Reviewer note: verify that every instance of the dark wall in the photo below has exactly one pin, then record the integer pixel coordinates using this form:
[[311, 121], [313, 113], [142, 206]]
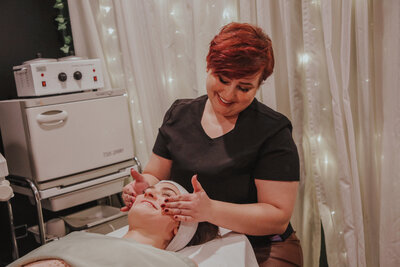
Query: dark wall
[[27, 27]]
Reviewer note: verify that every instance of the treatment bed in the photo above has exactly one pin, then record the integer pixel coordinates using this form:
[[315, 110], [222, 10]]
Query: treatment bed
[[85, 249], [231, 249]]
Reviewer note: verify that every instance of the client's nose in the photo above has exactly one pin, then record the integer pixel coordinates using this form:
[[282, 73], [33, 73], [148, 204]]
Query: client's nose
[[150, 194]]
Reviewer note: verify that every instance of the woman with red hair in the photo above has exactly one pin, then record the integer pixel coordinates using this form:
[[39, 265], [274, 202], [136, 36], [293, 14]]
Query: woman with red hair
[[236, 153]]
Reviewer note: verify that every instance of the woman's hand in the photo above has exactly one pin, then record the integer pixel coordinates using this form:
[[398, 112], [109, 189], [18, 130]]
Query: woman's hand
[[131, 190], [189, 207]]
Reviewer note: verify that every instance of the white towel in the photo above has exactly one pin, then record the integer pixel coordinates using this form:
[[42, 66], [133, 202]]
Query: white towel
[[186, 230]]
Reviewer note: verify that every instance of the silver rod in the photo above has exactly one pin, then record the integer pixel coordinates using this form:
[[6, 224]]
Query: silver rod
[[138, 164], [35, 191], [15, 253]]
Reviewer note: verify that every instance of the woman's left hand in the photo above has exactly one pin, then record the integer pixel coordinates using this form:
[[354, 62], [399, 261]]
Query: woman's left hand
[[193, 207]]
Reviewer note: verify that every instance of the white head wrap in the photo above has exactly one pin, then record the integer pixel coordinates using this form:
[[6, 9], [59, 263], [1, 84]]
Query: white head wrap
[[186, 230]]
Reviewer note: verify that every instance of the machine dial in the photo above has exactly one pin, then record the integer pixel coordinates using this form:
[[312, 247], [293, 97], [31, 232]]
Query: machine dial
[[77, 75], [62, 76]]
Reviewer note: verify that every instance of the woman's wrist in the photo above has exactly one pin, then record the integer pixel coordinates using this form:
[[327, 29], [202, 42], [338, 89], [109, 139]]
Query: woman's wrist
[[213, 212]]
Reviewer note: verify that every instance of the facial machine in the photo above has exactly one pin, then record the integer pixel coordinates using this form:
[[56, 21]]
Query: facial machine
[[67, 140]]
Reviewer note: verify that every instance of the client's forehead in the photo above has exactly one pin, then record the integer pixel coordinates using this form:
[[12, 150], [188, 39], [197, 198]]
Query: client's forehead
[[165, 186]]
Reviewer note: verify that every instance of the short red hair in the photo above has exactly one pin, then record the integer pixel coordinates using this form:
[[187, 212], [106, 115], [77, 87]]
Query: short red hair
[[241, 50]]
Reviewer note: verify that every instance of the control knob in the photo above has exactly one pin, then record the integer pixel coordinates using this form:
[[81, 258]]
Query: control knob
[[62, 76], [77, 75]]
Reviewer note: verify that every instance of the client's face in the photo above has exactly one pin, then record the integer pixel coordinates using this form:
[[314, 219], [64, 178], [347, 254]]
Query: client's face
[[146, 211]]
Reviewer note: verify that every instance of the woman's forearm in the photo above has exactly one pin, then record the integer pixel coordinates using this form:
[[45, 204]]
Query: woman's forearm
[[251, 219], [157, 169], [270, 215]]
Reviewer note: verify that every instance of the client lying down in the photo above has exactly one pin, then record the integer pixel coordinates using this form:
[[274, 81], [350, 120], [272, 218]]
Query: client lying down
[[151, 238]]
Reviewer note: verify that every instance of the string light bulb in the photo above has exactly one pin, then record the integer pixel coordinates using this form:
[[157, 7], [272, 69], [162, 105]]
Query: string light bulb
[[304, 58], [226, 14], [105, 8], [326, 161]]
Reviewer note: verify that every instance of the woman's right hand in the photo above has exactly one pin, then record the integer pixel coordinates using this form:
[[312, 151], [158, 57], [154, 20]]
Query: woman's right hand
[[131, 190]]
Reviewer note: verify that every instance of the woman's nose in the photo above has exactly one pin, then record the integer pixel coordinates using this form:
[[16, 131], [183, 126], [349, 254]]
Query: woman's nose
[[229, 92]]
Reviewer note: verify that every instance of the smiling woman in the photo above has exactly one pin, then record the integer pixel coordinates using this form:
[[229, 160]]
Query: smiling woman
[[237, 154]]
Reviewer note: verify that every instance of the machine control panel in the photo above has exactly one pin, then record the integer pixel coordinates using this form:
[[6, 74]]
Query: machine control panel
[[51, 76]]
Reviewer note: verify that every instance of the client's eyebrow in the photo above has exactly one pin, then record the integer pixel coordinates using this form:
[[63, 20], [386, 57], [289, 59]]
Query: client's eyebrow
[[169, 189], [164, 188]]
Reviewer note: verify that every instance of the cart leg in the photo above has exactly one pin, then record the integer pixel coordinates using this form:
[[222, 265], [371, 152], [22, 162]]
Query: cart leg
[[15, 253], [36, 195]]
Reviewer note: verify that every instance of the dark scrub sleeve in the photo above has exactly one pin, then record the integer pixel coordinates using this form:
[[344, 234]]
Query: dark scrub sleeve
[[160, 146], [278, 158]]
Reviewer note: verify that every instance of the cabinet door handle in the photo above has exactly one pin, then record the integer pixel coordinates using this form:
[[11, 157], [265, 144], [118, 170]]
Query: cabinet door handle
[[52, 117]]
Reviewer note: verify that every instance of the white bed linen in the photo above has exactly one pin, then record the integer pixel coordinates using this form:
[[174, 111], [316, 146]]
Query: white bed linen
[[232, 249]]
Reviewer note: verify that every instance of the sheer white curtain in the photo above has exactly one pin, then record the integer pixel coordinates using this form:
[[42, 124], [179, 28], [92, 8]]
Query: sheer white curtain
[[384, 204], [336, 78], [154, 49]]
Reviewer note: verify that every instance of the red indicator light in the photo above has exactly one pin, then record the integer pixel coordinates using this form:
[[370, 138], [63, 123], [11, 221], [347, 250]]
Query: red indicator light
[[95, 78], [43, 83], [94, 70], [42, 74]]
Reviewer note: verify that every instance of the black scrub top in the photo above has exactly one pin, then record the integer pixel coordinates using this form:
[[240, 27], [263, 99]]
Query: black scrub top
[[260, 146]]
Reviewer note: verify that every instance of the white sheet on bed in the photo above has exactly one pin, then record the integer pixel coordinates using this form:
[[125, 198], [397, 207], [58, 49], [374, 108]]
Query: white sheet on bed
[[232, 249]]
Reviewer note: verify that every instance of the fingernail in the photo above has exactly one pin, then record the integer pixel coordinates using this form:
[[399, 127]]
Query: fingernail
[[166, 210], [163, 205], [175, 217], [166, 200]]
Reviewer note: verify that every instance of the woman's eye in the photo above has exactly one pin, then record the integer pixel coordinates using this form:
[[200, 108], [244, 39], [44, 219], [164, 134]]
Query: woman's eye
[[166, 195], [245, 90], [222, 80]]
